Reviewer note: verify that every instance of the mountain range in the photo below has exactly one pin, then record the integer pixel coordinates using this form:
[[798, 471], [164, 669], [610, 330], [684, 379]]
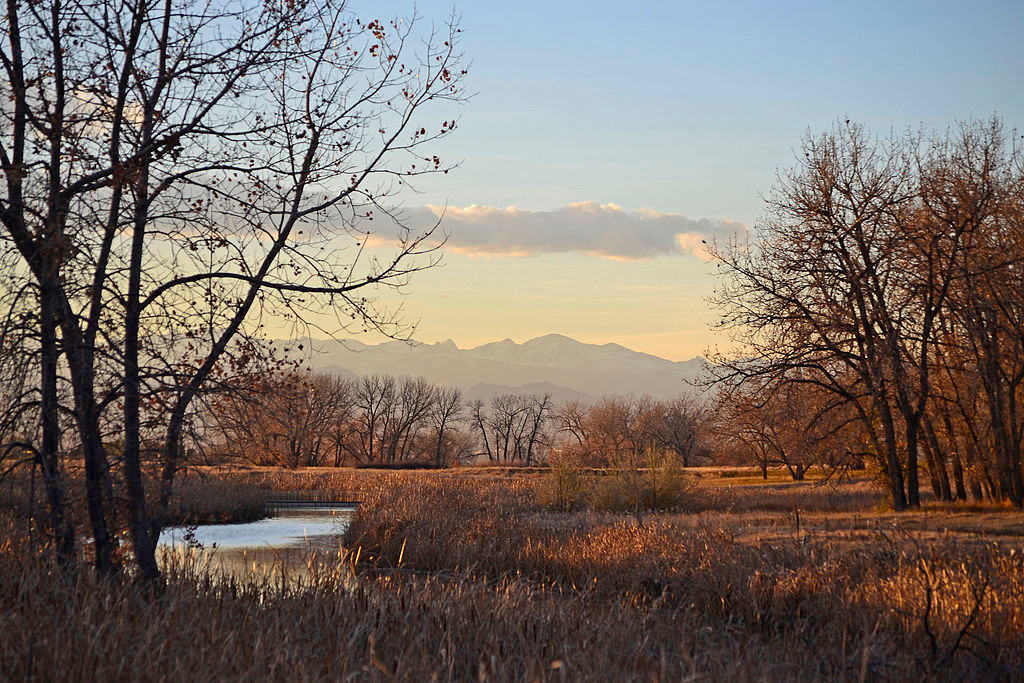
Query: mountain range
[[555, 364]]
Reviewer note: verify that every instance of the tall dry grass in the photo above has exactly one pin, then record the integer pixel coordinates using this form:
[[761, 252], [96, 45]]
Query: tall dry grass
[[840, 497], [399, 627], [461, 578], [944, 608]]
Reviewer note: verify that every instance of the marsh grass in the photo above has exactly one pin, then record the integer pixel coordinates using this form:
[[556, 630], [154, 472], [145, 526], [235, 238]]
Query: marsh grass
[[470, 578], [944, 606], [212, 500]]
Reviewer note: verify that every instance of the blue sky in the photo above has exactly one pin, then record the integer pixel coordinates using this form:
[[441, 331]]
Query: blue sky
[[675, 108]]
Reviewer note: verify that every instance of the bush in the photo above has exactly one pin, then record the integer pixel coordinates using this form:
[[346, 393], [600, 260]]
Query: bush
[[563, 488], [635, 483], [639, 483]]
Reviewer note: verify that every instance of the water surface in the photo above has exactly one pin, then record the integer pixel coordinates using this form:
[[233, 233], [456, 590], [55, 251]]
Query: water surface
[[281, 543]]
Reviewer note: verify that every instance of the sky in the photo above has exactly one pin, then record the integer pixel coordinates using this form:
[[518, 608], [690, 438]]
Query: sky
[[605, 140]]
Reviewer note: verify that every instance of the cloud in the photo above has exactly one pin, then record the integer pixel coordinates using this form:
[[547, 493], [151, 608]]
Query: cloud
[[603, 230]]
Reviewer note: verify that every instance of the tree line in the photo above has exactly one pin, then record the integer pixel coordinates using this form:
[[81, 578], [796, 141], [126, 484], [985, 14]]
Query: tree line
[[880, 302], [313, 420], [295, 419]]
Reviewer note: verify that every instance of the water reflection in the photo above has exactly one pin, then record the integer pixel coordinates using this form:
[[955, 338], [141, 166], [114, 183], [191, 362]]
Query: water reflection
[[280, 544]]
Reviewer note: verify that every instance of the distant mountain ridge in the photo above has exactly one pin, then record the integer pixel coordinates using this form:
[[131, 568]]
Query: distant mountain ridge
[[566, 368]]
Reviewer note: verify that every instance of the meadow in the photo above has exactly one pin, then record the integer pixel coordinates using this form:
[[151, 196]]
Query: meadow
[[485, 574]]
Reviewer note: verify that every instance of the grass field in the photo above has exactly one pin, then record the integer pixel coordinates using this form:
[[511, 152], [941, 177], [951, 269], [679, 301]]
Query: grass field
[[468, 574]]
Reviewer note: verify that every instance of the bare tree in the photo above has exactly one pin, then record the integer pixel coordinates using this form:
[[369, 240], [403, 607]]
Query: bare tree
[[677, 426], [407, 414], [338, 396], [514, 427], [478, 419], [291, 419], [614, 427], [785, 423], [539, 413], [444, 415], [173, 172], [847, 282], [505, 424], [374, 396], [572, 420], [977, 181]]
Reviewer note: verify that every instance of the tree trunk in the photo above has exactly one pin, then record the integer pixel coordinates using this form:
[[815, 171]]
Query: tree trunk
[[937, 473], [61, 528], [913, 486], [899, 496]]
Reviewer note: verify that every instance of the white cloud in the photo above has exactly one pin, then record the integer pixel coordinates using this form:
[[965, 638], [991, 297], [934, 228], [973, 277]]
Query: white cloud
[[603, 230]]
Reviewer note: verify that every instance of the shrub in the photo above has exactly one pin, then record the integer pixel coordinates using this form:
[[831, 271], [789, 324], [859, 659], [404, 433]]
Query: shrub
[[635, 483], [652, 480], [563, 488]]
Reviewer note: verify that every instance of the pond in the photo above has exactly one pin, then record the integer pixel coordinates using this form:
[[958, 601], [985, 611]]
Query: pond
[[284, 542]]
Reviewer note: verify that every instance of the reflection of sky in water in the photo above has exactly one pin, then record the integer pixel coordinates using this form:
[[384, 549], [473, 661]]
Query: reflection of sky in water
[[283, 543], [289, 528]]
